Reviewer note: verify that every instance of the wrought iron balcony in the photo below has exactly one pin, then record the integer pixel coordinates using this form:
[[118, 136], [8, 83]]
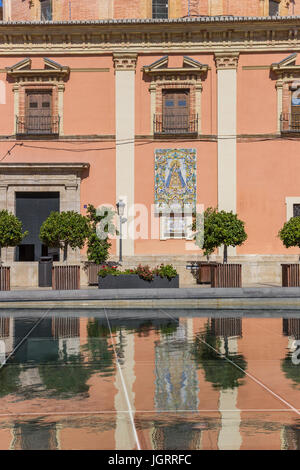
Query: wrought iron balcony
[[290, 122], [37, 125], [175, 125]]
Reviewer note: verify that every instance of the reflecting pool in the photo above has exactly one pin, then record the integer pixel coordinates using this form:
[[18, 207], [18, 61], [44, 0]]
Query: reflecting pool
[[141, 379]]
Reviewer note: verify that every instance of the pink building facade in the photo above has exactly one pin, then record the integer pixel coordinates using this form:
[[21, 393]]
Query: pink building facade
[[196, 110]]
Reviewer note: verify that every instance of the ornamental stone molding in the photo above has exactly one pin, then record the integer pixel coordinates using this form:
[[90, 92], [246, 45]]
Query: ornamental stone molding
[[226, 60], [207, 34], [123, 61]]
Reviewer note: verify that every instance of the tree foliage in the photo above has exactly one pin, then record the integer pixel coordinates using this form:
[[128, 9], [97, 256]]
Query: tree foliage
[[221, 228], [10, 229], [290, 233], [65, 229], [101, 226]]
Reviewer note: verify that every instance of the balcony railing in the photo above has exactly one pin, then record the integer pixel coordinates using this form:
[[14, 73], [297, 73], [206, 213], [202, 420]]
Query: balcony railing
[[290, 122], [173, 125], [37, 125]]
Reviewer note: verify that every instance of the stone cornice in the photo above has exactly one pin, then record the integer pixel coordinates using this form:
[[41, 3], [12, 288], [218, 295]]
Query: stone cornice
[[31, 167], [257, 34]]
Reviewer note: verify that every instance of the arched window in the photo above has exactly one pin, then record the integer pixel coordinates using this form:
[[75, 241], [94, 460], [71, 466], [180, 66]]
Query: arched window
[[159, 8]]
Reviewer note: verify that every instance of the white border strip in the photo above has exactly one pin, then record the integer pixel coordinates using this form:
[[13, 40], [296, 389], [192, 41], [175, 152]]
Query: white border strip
[[124, 387]]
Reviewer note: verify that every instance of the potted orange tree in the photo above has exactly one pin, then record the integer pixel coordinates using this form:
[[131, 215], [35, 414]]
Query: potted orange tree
[[289, 234], [223, 228], [65, 230], [11, 234]]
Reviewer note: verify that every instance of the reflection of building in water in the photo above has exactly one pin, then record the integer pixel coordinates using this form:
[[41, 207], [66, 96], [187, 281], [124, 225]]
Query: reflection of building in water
[[67, 331], [228, 330], [34, 435], [290, 438], [6, 337], [291, 328], [175, 371], [226, 326], [176, 388], [177, 436]]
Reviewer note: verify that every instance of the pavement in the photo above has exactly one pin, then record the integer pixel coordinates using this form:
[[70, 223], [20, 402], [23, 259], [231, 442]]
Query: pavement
[[259, 298]]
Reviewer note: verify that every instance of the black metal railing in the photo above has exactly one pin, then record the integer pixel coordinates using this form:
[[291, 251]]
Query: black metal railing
[[37, 125], [180, 124], [290, 122]]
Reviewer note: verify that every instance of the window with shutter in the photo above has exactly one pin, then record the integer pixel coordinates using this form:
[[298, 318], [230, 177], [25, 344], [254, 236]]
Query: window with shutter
[[38, 116], [46, 10], [175, 111], [159, 8], [296, 210], [176, 226]]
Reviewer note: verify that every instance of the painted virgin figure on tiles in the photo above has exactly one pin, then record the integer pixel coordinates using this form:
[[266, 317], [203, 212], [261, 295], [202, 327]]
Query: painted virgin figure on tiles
[[175, 178]]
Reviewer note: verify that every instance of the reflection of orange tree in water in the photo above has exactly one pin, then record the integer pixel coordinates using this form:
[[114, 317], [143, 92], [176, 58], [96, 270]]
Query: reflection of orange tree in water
[[291, 328], [218, 370], [64, 375], [9, 379]]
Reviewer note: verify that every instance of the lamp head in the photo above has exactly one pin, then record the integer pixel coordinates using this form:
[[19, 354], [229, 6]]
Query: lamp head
[[120, 207]]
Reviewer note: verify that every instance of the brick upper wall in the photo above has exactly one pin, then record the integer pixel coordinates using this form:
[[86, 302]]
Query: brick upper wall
[[118, 9]]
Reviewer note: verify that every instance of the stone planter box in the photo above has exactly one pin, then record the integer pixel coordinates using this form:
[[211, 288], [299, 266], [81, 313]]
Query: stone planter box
[[133, 281], [226, 275], [66, 277], [290, 275]]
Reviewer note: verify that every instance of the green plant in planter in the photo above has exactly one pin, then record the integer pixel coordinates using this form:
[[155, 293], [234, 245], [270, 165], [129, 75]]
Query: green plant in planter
[[222, 228], [10, 229], [144, 272], [166, 271], [290, 233], [65, 229], [101, 226]]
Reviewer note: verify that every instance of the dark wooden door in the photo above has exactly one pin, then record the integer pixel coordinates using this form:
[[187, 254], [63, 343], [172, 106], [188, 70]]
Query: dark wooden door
[[176, 111], [38, 112]]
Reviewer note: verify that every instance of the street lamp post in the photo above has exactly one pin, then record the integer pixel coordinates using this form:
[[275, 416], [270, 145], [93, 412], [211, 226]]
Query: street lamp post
[[120, 209]]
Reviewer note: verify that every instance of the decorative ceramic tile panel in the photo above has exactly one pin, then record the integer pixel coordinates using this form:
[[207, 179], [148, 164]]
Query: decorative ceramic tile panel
[[175, 179]]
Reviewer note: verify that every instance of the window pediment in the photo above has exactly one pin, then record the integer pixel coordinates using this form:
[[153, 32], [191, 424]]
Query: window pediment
[[22, 70], [161, 67]]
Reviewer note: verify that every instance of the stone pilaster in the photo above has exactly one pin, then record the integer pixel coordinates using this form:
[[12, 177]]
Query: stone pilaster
[[226, 65], [279, 88], [125, 65]]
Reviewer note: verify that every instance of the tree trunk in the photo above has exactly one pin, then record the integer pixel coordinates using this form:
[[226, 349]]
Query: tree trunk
[[225, 254], [65, 253]]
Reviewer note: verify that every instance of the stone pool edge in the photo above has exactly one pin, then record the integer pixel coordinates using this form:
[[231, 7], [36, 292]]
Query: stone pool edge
[[215, 298]]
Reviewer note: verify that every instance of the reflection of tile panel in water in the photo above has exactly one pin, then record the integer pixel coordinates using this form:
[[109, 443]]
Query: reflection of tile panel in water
[[65, 327], [4, 327], [291, 327], [176, 386], [35, 436], [180, 436], [226, 326]]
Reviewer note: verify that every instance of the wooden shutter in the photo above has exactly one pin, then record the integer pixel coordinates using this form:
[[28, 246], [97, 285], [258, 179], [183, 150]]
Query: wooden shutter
[[39, 112], [176, 111]]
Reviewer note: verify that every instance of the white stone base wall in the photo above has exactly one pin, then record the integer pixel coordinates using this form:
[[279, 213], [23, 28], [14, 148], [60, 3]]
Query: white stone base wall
[[256, 269]]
